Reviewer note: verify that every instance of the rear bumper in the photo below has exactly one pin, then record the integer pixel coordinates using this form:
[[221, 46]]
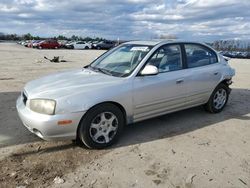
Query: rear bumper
[[46, 126]]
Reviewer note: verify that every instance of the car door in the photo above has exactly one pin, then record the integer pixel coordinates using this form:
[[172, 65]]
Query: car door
[[46, 44], [50, 44], [53, 44], [204, 74], [84, 44], [104, 45], [108, 45], [165, 92], [78, 45]]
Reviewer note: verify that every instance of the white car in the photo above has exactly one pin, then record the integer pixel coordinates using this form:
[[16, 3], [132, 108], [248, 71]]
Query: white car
[[80, 45], [130, 83]]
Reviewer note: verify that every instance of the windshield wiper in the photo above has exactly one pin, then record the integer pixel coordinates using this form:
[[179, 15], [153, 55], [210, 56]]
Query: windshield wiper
[[101, 70], [105, 71]]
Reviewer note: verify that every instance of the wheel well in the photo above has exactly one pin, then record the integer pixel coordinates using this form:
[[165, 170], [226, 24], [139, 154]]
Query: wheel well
[[107, 102], [225, 82], [119, 106]]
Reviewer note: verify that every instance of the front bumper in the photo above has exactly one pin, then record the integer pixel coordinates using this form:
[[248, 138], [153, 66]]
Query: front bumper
[[46, 126]]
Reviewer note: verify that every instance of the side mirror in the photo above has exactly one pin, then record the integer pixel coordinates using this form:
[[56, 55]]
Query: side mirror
[[149, 70]]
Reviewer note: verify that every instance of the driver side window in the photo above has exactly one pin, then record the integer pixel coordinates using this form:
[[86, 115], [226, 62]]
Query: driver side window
[[167, 58]]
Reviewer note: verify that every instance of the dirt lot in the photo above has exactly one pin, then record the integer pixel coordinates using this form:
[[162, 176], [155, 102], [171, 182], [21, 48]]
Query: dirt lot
[[190, 148]]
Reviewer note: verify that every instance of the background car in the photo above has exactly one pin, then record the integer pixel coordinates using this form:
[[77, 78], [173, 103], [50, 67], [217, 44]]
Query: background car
[[69, 45], [48, 44], [94, 43], [62, 43], [22, 43], [78, 45], [105, 45], [28, 44], [35, 43]]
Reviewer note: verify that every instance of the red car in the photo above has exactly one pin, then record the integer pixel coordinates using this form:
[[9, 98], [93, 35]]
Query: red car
[[48, 44]]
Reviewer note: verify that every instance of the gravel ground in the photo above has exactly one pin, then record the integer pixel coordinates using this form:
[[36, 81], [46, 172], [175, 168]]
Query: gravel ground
[[190, 148]]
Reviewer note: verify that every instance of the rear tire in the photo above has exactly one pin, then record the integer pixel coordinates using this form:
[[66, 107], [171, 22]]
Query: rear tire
[[218, 99], [101, 126]]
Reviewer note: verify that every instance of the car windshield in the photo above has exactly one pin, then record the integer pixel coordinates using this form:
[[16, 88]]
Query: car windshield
[[122, 61]]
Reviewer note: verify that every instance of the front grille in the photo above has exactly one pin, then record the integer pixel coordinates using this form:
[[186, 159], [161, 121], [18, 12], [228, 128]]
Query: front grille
[[24, 98]]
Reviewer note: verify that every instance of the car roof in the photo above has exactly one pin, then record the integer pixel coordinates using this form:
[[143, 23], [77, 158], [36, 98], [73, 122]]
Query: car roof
[[155, 42]]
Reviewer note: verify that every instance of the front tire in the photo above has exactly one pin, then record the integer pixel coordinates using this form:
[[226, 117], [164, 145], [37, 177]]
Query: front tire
[[101, 126], [218, 99]]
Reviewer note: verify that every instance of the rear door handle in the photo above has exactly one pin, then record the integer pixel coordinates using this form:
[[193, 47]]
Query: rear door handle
[[179, 81], [216, 73]]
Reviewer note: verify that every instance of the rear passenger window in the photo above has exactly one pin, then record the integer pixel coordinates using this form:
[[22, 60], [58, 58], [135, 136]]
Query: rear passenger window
[[199, 56]]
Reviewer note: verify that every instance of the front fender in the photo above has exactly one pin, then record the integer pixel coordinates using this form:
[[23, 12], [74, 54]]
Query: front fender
[[82, 102]]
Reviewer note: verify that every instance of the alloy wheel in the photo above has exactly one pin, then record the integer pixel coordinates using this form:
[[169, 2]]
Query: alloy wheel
[[220, 98], [103, 127]]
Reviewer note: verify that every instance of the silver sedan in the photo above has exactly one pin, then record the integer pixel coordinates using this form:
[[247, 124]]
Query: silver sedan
[[130, 83]]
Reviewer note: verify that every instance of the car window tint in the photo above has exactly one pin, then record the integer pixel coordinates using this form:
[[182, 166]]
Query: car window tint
[[199, 56], [167, 58]]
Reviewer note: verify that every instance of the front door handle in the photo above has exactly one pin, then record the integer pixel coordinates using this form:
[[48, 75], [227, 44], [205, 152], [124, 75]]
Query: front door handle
[[216, 73], [179, 81]]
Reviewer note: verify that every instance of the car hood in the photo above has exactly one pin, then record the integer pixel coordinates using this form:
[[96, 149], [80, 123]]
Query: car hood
[[67, 83]]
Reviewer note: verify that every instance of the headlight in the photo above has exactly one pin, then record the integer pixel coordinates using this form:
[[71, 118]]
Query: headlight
[[43, 106]]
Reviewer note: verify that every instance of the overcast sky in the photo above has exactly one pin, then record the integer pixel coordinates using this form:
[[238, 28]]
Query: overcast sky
[[204, 20]]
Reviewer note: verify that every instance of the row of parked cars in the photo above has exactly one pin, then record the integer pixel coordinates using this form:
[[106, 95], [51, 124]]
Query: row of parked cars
[[235, 54], [54, 44]]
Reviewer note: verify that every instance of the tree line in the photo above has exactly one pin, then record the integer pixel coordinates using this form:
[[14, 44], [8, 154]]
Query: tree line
[[232, 45], [28, 36]]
